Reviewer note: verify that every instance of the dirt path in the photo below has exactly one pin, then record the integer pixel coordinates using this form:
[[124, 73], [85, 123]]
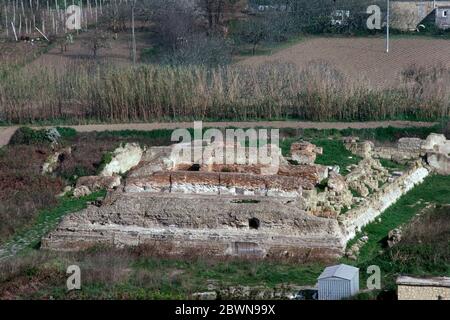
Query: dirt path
[[7, 132]]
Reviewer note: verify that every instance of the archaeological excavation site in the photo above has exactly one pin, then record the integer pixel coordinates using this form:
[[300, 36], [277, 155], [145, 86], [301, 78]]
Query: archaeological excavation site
[[302, 209]]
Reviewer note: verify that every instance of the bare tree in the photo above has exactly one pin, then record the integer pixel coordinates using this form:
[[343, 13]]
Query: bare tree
[[133, 35], [253, 32], [217, 12], [174, 21], [96, 41]]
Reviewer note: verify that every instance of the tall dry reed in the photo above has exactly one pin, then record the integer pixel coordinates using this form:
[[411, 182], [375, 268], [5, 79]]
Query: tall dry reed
[[91, 91]]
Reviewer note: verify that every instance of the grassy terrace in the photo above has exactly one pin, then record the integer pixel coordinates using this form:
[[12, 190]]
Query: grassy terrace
[[435, 189], [29, 237]]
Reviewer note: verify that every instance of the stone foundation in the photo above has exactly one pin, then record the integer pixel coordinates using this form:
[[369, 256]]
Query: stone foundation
[[257, 226], [423, 288], [354, 220], [236, 209]]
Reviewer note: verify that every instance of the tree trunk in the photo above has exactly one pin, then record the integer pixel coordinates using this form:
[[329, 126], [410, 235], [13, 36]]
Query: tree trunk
[[133, 31]]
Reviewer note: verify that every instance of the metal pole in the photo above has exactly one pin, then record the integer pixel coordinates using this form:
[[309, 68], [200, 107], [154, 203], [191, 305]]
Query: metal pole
[[387, 26]]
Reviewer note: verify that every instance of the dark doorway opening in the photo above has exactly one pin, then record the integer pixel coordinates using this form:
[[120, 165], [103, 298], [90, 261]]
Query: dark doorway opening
[[253, 223], [194, 167]]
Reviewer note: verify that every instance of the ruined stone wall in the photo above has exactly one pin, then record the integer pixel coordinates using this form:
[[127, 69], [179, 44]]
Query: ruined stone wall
[[354, 220], [237, 210], [439, 162], [406, 15], [219, 225], [408, 292], [220, 184]]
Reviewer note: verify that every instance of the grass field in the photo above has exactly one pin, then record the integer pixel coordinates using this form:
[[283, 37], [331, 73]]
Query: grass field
[[435, 190]]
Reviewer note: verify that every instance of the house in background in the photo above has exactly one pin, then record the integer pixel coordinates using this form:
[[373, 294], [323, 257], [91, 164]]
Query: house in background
[[407, 14], [338, 282], [443, 17], [340, 17]]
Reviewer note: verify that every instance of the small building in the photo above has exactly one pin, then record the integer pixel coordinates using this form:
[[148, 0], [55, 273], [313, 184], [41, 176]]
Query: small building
[[443, 17], [410, 288], [407, 15], [340, 17], [338, 282]]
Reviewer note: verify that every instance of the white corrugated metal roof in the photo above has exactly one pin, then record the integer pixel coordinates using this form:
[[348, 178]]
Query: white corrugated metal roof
[[342, 271]]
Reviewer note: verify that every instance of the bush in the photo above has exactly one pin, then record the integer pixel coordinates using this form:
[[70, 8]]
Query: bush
[[252, 32], [425, 245], [66, 132], [29, 136], [200, 50], [23, 189]]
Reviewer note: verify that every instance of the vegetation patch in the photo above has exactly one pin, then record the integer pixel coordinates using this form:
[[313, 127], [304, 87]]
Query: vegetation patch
[[30, 237], [23, 189], [435, 189]]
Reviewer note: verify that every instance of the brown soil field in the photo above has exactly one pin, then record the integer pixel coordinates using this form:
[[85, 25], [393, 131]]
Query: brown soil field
[[118, 52], [20, 52], [363, 59]]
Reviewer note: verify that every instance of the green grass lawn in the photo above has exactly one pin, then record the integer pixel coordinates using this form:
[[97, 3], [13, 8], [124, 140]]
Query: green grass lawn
[[30, 237], [163, 278], [435, 189], [334, 152]]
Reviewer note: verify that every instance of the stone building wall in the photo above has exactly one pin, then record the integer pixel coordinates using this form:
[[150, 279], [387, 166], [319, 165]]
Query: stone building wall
[[406, 292], [406, 15], [410, 288], [443, 17]]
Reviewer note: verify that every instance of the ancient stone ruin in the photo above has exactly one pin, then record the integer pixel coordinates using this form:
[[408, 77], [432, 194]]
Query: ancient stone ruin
[[300, 209]]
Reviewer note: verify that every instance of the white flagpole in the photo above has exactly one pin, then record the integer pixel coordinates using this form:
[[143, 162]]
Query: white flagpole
[[387, 26]]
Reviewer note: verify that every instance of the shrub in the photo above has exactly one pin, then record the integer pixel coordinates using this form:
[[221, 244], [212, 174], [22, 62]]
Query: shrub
[[23, 189], [29, 136]]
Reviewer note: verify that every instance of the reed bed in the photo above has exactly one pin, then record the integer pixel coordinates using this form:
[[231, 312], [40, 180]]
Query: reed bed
[[90, 91]]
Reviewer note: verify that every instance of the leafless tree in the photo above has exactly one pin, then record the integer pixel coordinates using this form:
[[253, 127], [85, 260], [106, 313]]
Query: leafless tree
[[96, 41], [174, 21], [217, 12]]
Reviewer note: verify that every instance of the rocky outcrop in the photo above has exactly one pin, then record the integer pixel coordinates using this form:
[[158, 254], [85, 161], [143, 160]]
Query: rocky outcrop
[[123, 159], [86, 185], [304, 152]]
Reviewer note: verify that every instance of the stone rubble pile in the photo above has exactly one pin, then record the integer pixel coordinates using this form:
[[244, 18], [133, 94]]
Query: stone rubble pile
[[435, 149]]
